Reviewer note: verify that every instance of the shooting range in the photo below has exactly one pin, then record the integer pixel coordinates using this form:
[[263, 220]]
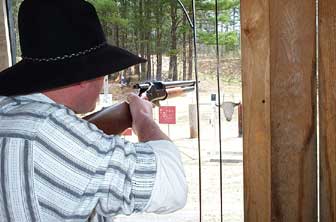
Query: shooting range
[[256, 145]]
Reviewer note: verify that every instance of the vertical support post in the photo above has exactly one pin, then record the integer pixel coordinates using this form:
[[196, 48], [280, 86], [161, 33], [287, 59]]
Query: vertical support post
[[279, 115], [327, 113], [240, 120], [193, 121], [255, 34], [4, 37], [11, 32]]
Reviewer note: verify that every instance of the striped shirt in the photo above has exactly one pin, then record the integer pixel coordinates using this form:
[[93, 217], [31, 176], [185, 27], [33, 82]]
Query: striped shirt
[[55, 166]]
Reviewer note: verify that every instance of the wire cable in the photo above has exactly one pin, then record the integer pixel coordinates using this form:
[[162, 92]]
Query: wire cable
[[219, 117], [198, 111]]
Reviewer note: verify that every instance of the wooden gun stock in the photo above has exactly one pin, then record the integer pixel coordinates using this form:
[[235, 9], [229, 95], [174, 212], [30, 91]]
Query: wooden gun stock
[[112, 120]]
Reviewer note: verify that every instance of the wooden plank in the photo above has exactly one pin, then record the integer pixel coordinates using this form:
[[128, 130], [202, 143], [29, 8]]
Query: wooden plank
[[279, 99], [327, 114], [293, 110], [256, 113], [3, 41]]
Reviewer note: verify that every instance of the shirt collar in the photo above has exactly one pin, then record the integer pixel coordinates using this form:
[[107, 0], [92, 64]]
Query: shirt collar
[[39, 97]]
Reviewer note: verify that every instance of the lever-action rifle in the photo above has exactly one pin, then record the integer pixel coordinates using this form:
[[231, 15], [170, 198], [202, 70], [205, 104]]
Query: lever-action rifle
[[117, 118]]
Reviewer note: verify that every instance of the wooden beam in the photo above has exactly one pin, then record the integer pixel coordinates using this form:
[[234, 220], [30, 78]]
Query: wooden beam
[[256, 113], [327, 100], [4, 62], [279, 115]]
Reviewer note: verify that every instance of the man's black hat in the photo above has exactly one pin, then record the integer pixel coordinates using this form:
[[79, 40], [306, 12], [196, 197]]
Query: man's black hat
[[62, 43]]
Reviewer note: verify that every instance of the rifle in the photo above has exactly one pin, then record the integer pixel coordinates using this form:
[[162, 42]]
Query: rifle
[[117, 118]]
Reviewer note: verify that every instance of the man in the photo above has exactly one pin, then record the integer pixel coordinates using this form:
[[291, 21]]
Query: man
[[55, 166]]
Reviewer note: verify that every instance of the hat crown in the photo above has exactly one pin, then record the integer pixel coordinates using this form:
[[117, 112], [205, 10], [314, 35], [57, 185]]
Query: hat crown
[[55, 28], [62, 43]]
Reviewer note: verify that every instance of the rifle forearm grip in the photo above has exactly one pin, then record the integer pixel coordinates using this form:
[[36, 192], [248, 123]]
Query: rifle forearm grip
[[112, 120]]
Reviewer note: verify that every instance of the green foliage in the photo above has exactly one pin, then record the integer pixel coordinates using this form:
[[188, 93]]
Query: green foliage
[[107, 11], [208, 5], [132, 22], [228, 18], [228, 39], [172, 52]]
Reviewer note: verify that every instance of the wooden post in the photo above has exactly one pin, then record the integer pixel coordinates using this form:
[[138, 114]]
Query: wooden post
[[327, 100], [193, 121], [240, 120], [4, 56], [279, 115]]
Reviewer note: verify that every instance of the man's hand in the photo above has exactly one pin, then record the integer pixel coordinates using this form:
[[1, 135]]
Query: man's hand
[[143, 123]]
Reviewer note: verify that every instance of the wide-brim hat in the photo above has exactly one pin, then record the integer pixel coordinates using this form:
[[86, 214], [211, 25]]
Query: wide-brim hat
[[62, 43]]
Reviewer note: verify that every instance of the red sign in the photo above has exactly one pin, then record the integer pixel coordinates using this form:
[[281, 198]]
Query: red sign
[[127, 132], [167, 115]]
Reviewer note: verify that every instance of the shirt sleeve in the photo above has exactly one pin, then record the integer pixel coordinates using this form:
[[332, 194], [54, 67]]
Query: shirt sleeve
[[77, 168], [170, 189]]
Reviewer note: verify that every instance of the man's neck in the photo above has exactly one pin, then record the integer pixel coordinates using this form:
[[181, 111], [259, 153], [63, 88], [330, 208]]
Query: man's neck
[[62, 98]]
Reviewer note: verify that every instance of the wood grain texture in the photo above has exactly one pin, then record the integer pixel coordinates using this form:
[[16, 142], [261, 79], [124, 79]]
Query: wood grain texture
[[327, 114], [293, 111], [256, 113], [279, 98], [3, 42]]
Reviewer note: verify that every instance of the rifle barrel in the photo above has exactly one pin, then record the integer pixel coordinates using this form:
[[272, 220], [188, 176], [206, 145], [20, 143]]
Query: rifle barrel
[[179, 83], [178, 91]]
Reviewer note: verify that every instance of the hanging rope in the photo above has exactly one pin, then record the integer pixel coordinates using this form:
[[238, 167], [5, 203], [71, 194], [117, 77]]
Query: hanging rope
[[219, 118]]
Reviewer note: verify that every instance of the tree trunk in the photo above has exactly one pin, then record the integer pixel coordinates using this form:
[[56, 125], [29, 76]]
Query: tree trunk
[[158, 41], [123, 32], [4, 60], [142, 44], [173, 54], [137, 46], [117, 36], [184, 50], [135, 37], [148, 40], [190, 55]]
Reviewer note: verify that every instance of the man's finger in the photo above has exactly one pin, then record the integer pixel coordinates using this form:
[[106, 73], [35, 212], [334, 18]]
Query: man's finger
[[130, 98], [144, 96]]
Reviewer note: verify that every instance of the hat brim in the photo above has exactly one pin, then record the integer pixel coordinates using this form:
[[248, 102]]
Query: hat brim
[[28, 76]]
